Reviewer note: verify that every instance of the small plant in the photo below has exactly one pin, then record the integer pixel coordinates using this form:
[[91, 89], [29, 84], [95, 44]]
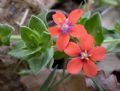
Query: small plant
[[77, 39]]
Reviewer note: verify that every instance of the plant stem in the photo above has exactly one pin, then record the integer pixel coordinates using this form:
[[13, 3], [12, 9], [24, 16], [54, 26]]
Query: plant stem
[[61, 80], [99, 88]]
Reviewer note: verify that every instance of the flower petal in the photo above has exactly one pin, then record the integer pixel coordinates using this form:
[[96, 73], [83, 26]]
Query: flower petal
[[59, 17], [97, 53], [75, 15], [62, 42], [74, 66], [54, 31], [90, 69], [72, 49], [78, 31], [86, 42]]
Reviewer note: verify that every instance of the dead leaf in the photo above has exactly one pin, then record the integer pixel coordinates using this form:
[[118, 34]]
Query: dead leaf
[[108, 83]]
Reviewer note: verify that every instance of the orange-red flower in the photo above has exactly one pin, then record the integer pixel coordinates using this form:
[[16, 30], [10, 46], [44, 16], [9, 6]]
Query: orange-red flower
[[85, 55], [66, 27]]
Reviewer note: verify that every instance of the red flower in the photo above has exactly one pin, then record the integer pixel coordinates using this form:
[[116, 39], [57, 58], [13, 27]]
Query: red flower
[[66, 27], [85, 56]]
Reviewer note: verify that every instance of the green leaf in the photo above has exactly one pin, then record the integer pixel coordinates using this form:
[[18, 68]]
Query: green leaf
[[45, 38], [5, 33], [19, 44], [94, 27], [15, 37], [31, 38], [37, 24], [116, 49], [50, 64], [23, 53], [108, 32], [35, 64], [24, 72], [43, 16], [49, 81], [117, 26], [84, 18], [59, 55], [38, 63], [87, 15]]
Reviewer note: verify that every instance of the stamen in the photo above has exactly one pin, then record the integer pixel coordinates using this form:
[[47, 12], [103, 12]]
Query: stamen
[[87, 58], [65, 28], [90, 55], [84, 56]]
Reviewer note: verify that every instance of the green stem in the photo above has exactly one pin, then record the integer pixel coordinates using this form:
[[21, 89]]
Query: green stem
[[61, 80], [64, 66], [99, 88], [15, 37], [110, 41]]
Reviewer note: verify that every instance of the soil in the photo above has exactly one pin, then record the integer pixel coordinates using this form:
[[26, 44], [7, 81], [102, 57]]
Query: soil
[[9, 79]]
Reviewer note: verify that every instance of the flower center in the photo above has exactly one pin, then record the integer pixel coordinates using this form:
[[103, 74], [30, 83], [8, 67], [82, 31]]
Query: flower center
[[65, 28], [84, 55]]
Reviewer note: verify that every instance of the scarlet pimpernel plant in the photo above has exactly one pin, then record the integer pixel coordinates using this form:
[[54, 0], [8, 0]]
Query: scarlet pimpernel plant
[[77, 40]]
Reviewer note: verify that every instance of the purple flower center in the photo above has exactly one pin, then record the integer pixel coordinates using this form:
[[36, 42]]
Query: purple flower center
[[84, 55], [66, 27]]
